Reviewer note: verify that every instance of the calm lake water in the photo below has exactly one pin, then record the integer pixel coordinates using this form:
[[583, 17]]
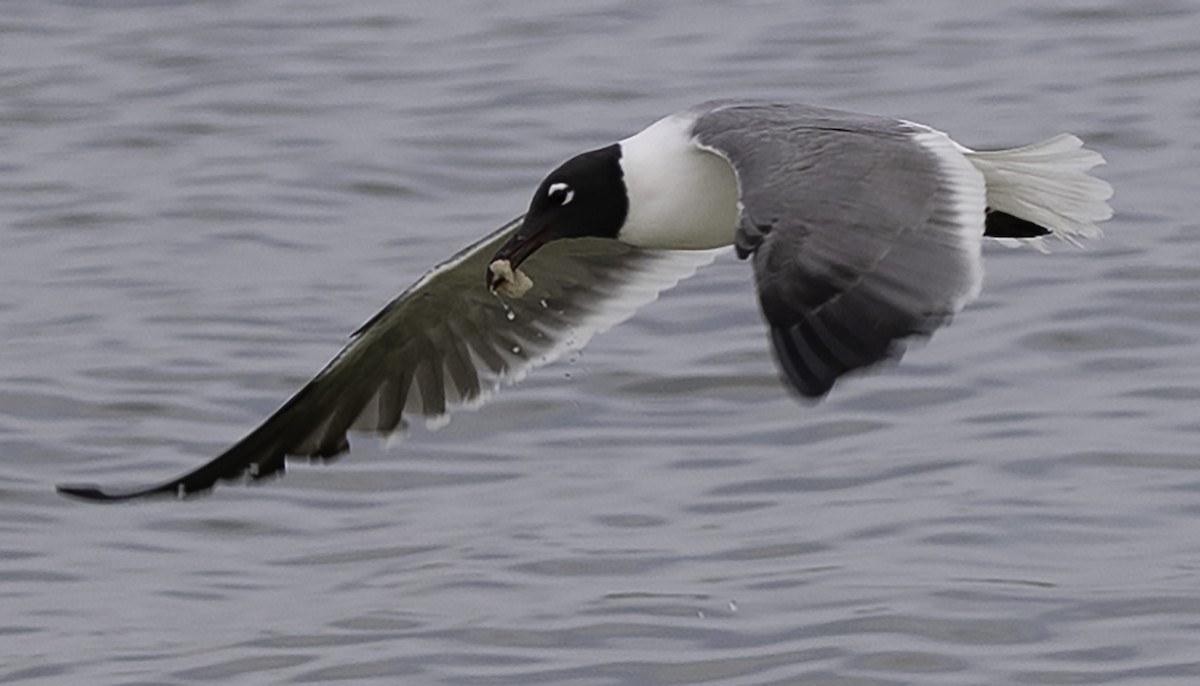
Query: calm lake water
[[200, 200]]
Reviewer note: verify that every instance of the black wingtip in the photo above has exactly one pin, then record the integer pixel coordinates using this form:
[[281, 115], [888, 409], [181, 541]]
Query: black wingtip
[[1003, 225], [817, 350], [95, 494], [85, 492]]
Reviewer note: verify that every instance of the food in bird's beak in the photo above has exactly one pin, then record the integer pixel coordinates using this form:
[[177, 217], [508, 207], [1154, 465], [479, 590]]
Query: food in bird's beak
[[512, 283]]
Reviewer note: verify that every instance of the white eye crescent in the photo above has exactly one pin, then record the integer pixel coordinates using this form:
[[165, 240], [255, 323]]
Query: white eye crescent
[[560, 187]]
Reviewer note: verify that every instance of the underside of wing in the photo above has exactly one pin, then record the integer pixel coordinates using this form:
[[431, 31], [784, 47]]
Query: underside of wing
[[863, 231], [444, 343]]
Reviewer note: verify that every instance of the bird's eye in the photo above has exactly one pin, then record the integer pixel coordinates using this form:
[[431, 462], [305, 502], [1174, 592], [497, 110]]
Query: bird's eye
[[560, 193]]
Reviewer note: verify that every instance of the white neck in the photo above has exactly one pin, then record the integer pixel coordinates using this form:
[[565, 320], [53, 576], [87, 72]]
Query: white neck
[[680, 196]]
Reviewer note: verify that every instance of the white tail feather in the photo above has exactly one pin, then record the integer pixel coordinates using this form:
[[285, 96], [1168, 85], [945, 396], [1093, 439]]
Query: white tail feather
[[1047, 183]]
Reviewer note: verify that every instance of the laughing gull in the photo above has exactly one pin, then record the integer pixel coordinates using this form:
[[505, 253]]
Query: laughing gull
[[863, 231]]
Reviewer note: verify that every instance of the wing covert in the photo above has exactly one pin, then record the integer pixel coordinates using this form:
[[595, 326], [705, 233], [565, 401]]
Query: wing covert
[[863, 230]]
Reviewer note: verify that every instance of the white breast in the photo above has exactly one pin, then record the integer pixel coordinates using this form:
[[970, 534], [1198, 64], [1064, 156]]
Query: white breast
[[680, 196]]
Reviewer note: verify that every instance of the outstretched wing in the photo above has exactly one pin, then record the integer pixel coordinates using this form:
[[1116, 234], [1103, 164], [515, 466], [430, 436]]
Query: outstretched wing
[[443, 343], [864, 230]]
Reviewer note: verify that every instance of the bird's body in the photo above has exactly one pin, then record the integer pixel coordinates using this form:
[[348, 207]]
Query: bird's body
[[862, 231], [681, 196]]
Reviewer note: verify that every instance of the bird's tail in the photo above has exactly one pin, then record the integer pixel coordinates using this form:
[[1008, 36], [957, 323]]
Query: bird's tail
[[1047, 185]]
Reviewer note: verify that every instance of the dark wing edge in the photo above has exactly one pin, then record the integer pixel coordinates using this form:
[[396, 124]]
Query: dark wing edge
[[263, 452], [421, 356], [858, 256], [259, 455]]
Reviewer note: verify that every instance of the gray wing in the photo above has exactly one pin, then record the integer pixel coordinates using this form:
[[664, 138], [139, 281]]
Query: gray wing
[[444, 343], [863, 230]]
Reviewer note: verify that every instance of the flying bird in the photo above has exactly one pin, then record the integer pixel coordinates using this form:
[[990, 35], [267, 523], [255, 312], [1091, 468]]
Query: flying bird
[[862, 231]]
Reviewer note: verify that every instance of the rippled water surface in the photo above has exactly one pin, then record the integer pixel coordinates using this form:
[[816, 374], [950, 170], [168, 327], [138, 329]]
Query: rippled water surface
[[198, 201]]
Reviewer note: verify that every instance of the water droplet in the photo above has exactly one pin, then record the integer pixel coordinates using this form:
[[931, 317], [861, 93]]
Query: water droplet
[[517, 349], [733, 606], [511, 315], [700, 614], [543, 303]]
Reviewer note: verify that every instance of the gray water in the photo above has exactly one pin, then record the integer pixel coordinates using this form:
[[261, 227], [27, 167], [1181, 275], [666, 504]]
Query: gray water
[[200, 200]]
